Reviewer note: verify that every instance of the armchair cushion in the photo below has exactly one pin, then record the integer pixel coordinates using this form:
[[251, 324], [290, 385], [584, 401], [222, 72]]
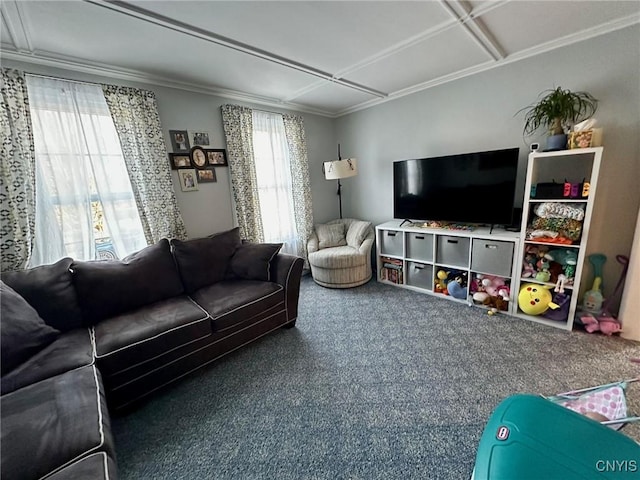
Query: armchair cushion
[[252, 261], [204, 261], [23, 331], [330, 235], [357, 232]]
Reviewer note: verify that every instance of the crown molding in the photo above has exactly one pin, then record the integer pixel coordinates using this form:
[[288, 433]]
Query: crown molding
[[52, 60]]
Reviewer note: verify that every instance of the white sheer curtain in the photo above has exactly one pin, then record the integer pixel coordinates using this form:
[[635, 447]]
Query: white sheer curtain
[[273, 171], [83, 193]]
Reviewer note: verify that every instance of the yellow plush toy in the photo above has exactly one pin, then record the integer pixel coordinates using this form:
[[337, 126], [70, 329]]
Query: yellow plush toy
[[535, 299]]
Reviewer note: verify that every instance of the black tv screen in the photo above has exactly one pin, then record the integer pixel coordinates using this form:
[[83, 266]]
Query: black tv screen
[[475, 188]]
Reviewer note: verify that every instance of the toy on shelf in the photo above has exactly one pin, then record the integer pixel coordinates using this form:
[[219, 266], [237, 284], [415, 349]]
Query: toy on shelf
[[452, 282], [491, 291], [456, 288], [535, 299], [568, 259], [441, 281]]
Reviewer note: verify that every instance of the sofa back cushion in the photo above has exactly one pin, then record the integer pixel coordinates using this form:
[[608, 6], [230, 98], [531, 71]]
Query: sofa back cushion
[[49, 289], [111, 287], [252, 261], [23, 332], [204, 261]]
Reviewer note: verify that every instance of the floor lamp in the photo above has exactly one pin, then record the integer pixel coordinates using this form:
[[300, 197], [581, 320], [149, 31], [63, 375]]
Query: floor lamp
[[338, 169]]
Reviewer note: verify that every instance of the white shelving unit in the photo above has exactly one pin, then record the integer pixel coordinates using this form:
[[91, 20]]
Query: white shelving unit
[[410, 257], [575, 166]]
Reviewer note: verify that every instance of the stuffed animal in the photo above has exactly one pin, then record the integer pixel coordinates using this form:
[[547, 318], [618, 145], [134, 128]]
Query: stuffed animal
[[441, 281], [535, 299], [568, 258], [455, 288]]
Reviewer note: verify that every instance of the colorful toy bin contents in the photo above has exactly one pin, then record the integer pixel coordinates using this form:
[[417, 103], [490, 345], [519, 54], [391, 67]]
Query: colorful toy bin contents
[[535, 299]]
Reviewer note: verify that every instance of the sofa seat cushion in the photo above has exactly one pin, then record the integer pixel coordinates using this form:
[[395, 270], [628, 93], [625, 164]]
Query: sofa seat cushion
[[70, 350], [338, 257], [53, 423], [234, 301], [143, 334], [97, 466]]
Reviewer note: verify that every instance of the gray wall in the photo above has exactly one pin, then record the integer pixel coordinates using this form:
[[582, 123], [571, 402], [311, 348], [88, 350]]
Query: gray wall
[[479, 113], [210, 209]]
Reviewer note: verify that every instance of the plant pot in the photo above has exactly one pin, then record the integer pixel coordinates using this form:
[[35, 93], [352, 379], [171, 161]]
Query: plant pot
[[556, 142]]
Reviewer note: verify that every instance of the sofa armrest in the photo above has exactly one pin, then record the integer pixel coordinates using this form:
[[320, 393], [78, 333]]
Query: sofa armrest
[[286, 270], [365, 247], [312, 243]]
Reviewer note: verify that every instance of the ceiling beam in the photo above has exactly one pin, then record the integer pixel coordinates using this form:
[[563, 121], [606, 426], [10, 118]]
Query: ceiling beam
[[200, 33], [14, 20], [462, 13]]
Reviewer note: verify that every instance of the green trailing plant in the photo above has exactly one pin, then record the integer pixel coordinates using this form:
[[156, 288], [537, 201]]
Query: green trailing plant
[[558, 108]]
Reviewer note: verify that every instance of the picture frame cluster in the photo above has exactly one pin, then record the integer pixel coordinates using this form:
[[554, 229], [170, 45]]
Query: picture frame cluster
[[194, 159]]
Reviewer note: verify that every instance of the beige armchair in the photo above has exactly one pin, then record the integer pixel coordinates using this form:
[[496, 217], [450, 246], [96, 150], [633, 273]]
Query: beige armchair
[[340, 253]]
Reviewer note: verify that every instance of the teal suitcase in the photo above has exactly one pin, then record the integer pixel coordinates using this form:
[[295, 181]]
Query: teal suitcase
[[529, 437]]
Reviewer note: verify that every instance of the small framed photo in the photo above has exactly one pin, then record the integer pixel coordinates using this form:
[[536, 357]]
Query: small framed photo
[[198, 157], [217, 157], [179, 141], [200, 138], [208, 175], [188, 180], [180, 160]]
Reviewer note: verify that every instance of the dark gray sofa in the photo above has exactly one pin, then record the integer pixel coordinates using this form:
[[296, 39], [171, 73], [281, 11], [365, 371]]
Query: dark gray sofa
[[83, 340]]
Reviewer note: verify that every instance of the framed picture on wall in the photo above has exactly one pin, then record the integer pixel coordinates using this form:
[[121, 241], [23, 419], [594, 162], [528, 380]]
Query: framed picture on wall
[[198, 157], [188, 180], [180, 160], [199, 138], [179, 141], [217, 157], [207, 175]]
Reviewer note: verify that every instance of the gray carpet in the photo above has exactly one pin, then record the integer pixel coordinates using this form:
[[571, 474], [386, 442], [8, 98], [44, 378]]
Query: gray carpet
[[375, 382]]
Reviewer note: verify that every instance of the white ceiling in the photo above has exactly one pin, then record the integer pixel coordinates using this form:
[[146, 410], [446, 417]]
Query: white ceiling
[[323, 57]]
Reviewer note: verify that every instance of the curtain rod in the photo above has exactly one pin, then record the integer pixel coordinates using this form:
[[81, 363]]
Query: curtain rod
[[51, 77]]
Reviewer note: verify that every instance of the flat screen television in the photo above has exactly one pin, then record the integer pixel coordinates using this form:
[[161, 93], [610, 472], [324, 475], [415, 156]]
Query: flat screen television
[[475, 188]]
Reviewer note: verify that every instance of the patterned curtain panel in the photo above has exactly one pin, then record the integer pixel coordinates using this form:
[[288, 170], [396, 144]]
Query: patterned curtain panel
[[135, 115], [17, 171], [301, 184], [238, 129]]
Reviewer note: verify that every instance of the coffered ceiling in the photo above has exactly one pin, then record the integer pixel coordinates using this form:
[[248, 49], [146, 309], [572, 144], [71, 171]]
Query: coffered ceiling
[[323, 57]]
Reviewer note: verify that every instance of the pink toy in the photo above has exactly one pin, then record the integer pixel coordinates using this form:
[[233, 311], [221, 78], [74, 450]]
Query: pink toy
[[491, 284]]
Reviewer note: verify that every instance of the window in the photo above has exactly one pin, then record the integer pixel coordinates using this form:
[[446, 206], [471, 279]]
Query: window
[[273, 172], [85, 207]]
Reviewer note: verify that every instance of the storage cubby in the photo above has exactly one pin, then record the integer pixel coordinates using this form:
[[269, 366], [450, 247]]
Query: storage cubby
[[560, 193], [462, 256]]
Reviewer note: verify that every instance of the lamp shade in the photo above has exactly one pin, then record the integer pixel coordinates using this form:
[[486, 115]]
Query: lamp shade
[[338, 169]]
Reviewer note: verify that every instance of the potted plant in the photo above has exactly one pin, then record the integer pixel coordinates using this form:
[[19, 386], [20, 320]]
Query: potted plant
[[557, 111]]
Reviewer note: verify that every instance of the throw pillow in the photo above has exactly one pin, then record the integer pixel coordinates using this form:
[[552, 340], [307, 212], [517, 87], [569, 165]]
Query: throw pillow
[[252, 261], [23, 332], [357, 232], [49, 289], [330, 235], [204, 261], [110, 287]]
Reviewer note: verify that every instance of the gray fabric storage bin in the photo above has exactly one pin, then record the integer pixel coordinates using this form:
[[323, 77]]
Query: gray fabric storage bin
[[420, 246], [452, 250], [391, 242], [492, 256], [420, 275]]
